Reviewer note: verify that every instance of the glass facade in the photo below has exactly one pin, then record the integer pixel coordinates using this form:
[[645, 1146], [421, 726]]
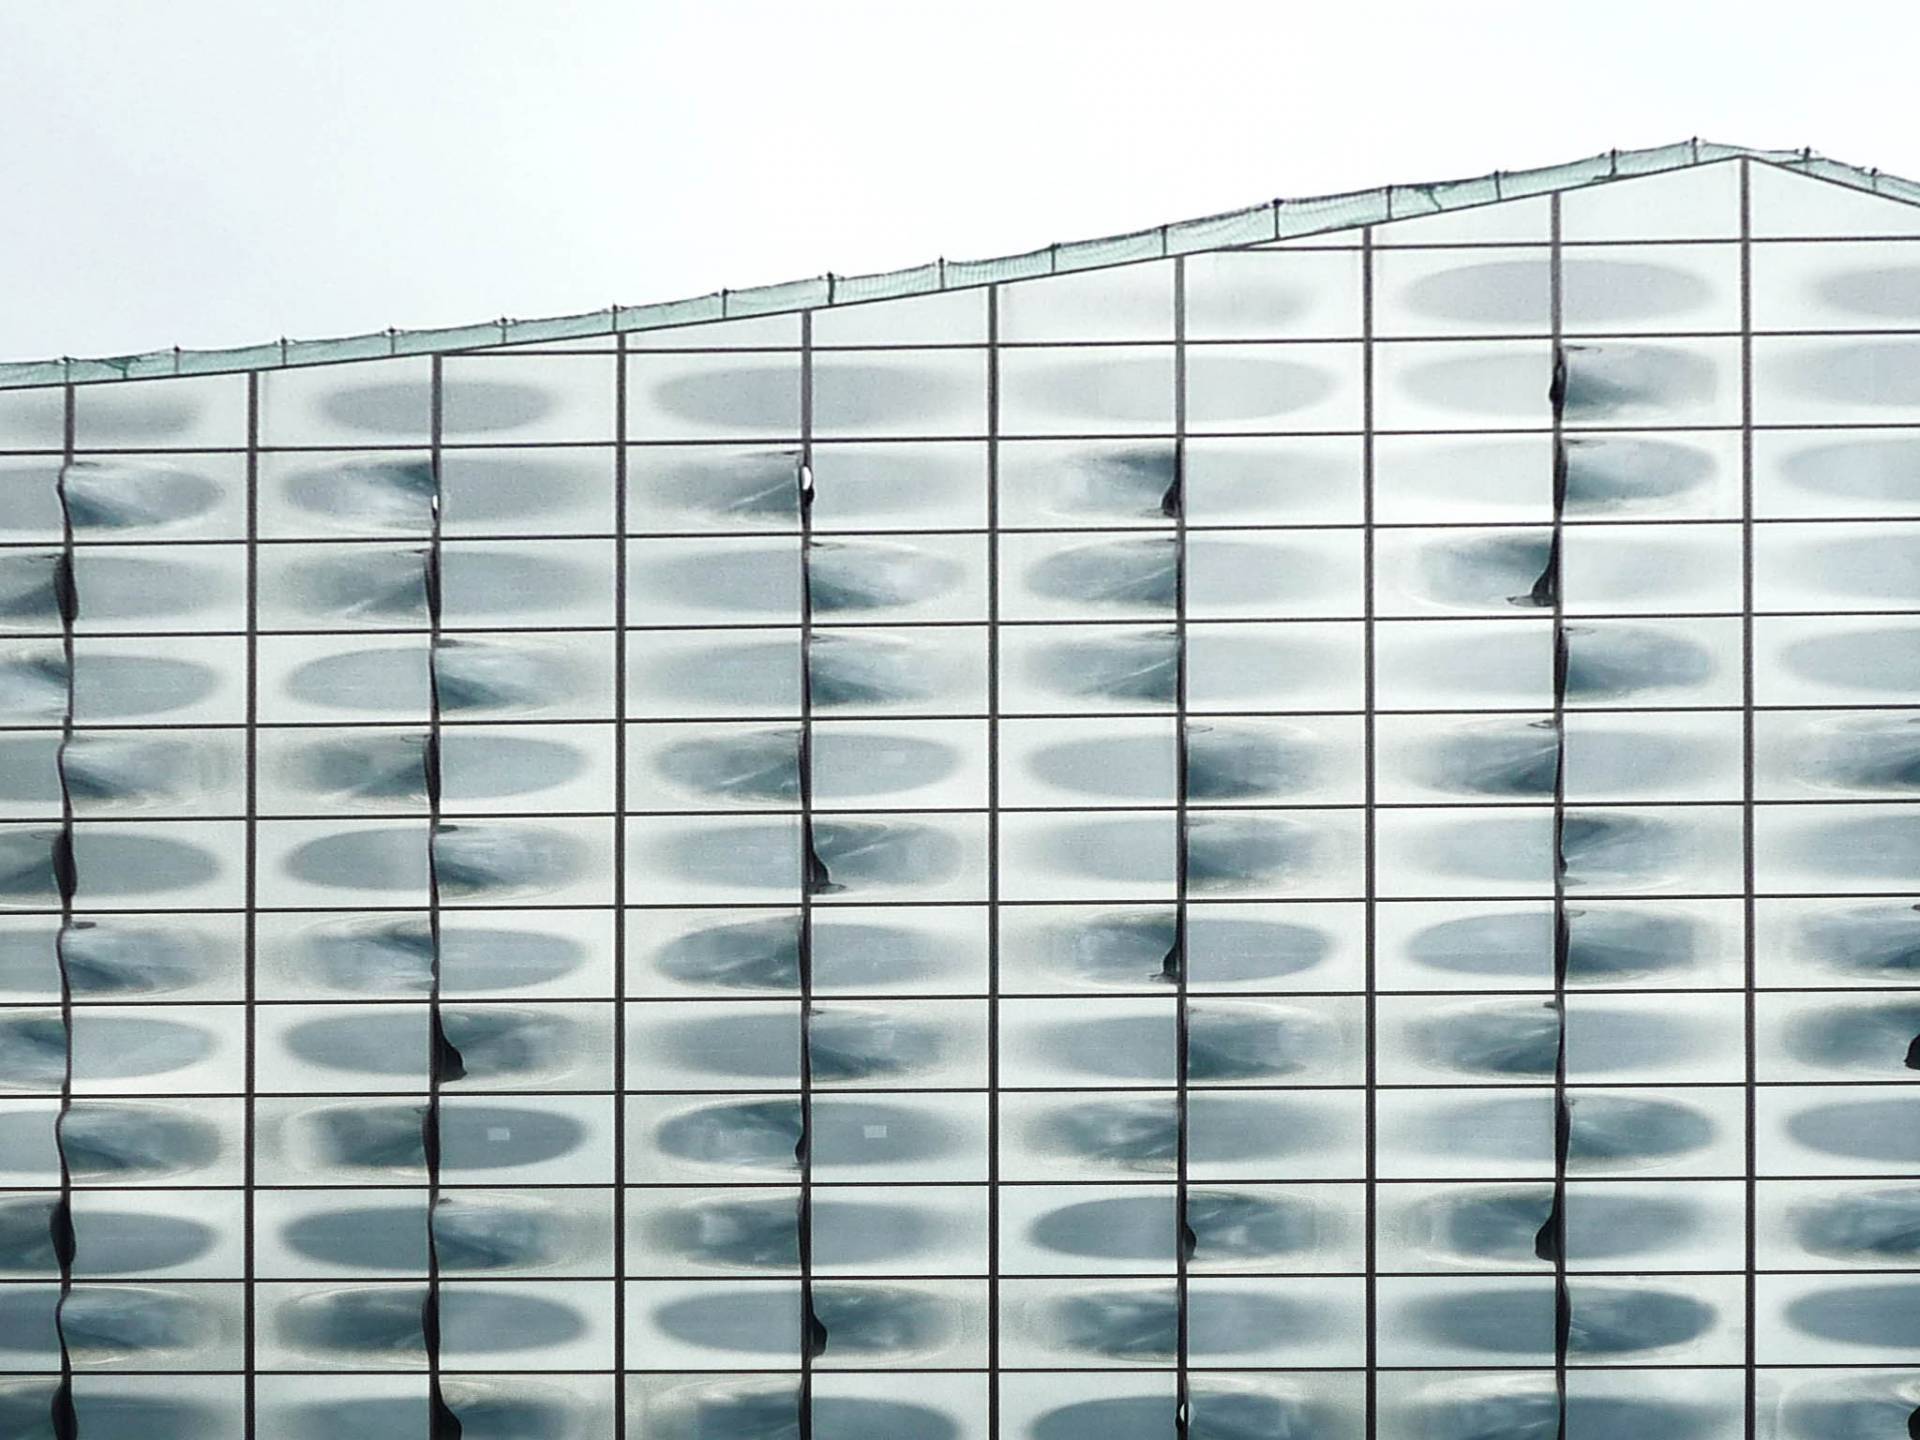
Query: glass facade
[[1303, 837]]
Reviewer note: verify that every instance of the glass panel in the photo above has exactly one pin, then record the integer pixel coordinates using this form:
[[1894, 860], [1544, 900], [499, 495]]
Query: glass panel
[[1121, 302], [1866, 381], [1820, 472], [1505, 223], [1650, 288], [1836, 567], [1301, 480], [958, 317], [1425, 479], [388, 402], [501, 399], [1836, 285], [1087, 390], [1463, 292], [169, 414], [1075, 482], [33, 419], [1700, 203], [1269, 295], [899, 486], [900, 392], [1462, 385], [1652, 382], [1273, 387], [1789, 205], [695, 397]]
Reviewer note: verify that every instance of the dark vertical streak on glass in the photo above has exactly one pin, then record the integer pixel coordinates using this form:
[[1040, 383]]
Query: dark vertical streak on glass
[[620, 883], [1175, 504], [1746, 793], [1370, 878], [60, 1224], [813, 879], [993, 862], [443, 1060], [1552, 1241]]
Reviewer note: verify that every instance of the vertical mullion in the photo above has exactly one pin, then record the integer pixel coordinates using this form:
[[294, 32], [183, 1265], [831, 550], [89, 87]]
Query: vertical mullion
[[1555, 1230], [1370, 917], [620, 884], [66, 878], [251, 919], [441, 1424], [810, 870], [1746, 746], [993, 862], [1183, 1234]]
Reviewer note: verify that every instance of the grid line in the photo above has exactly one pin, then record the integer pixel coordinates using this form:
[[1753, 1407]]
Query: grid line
[[813, 879], [443, 1060], [61, 1228], [993, 867], [1174, 506], [251, 1000], [619, 894], [1370, 839], [1553, 1235], [1751, 887]]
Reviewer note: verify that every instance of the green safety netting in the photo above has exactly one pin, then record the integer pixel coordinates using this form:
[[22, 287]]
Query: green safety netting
[[1257, 224]]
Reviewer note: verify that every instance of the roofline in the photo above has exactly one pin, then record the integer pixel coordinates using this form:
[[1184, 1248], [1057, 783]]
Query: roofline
[[1280, 219]]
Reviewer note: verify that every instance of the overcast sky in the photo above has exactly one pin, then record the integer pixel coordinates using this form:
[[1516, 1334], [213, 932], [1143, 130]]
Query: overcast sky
[[219, 172]]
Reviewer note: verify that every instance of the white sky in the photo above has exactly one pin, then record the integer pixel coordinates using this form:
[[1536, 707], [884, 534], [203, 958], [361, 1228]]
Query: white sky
[[219, 172]]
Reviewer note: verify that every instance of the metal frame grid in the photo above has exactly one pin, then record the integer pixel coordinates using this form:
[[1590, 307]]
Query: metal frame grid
[[939, 963]]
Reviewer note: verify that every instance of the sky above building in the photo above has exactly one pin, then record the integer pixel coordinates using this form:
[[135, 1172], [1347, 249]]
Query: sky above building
[[218, 172]]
